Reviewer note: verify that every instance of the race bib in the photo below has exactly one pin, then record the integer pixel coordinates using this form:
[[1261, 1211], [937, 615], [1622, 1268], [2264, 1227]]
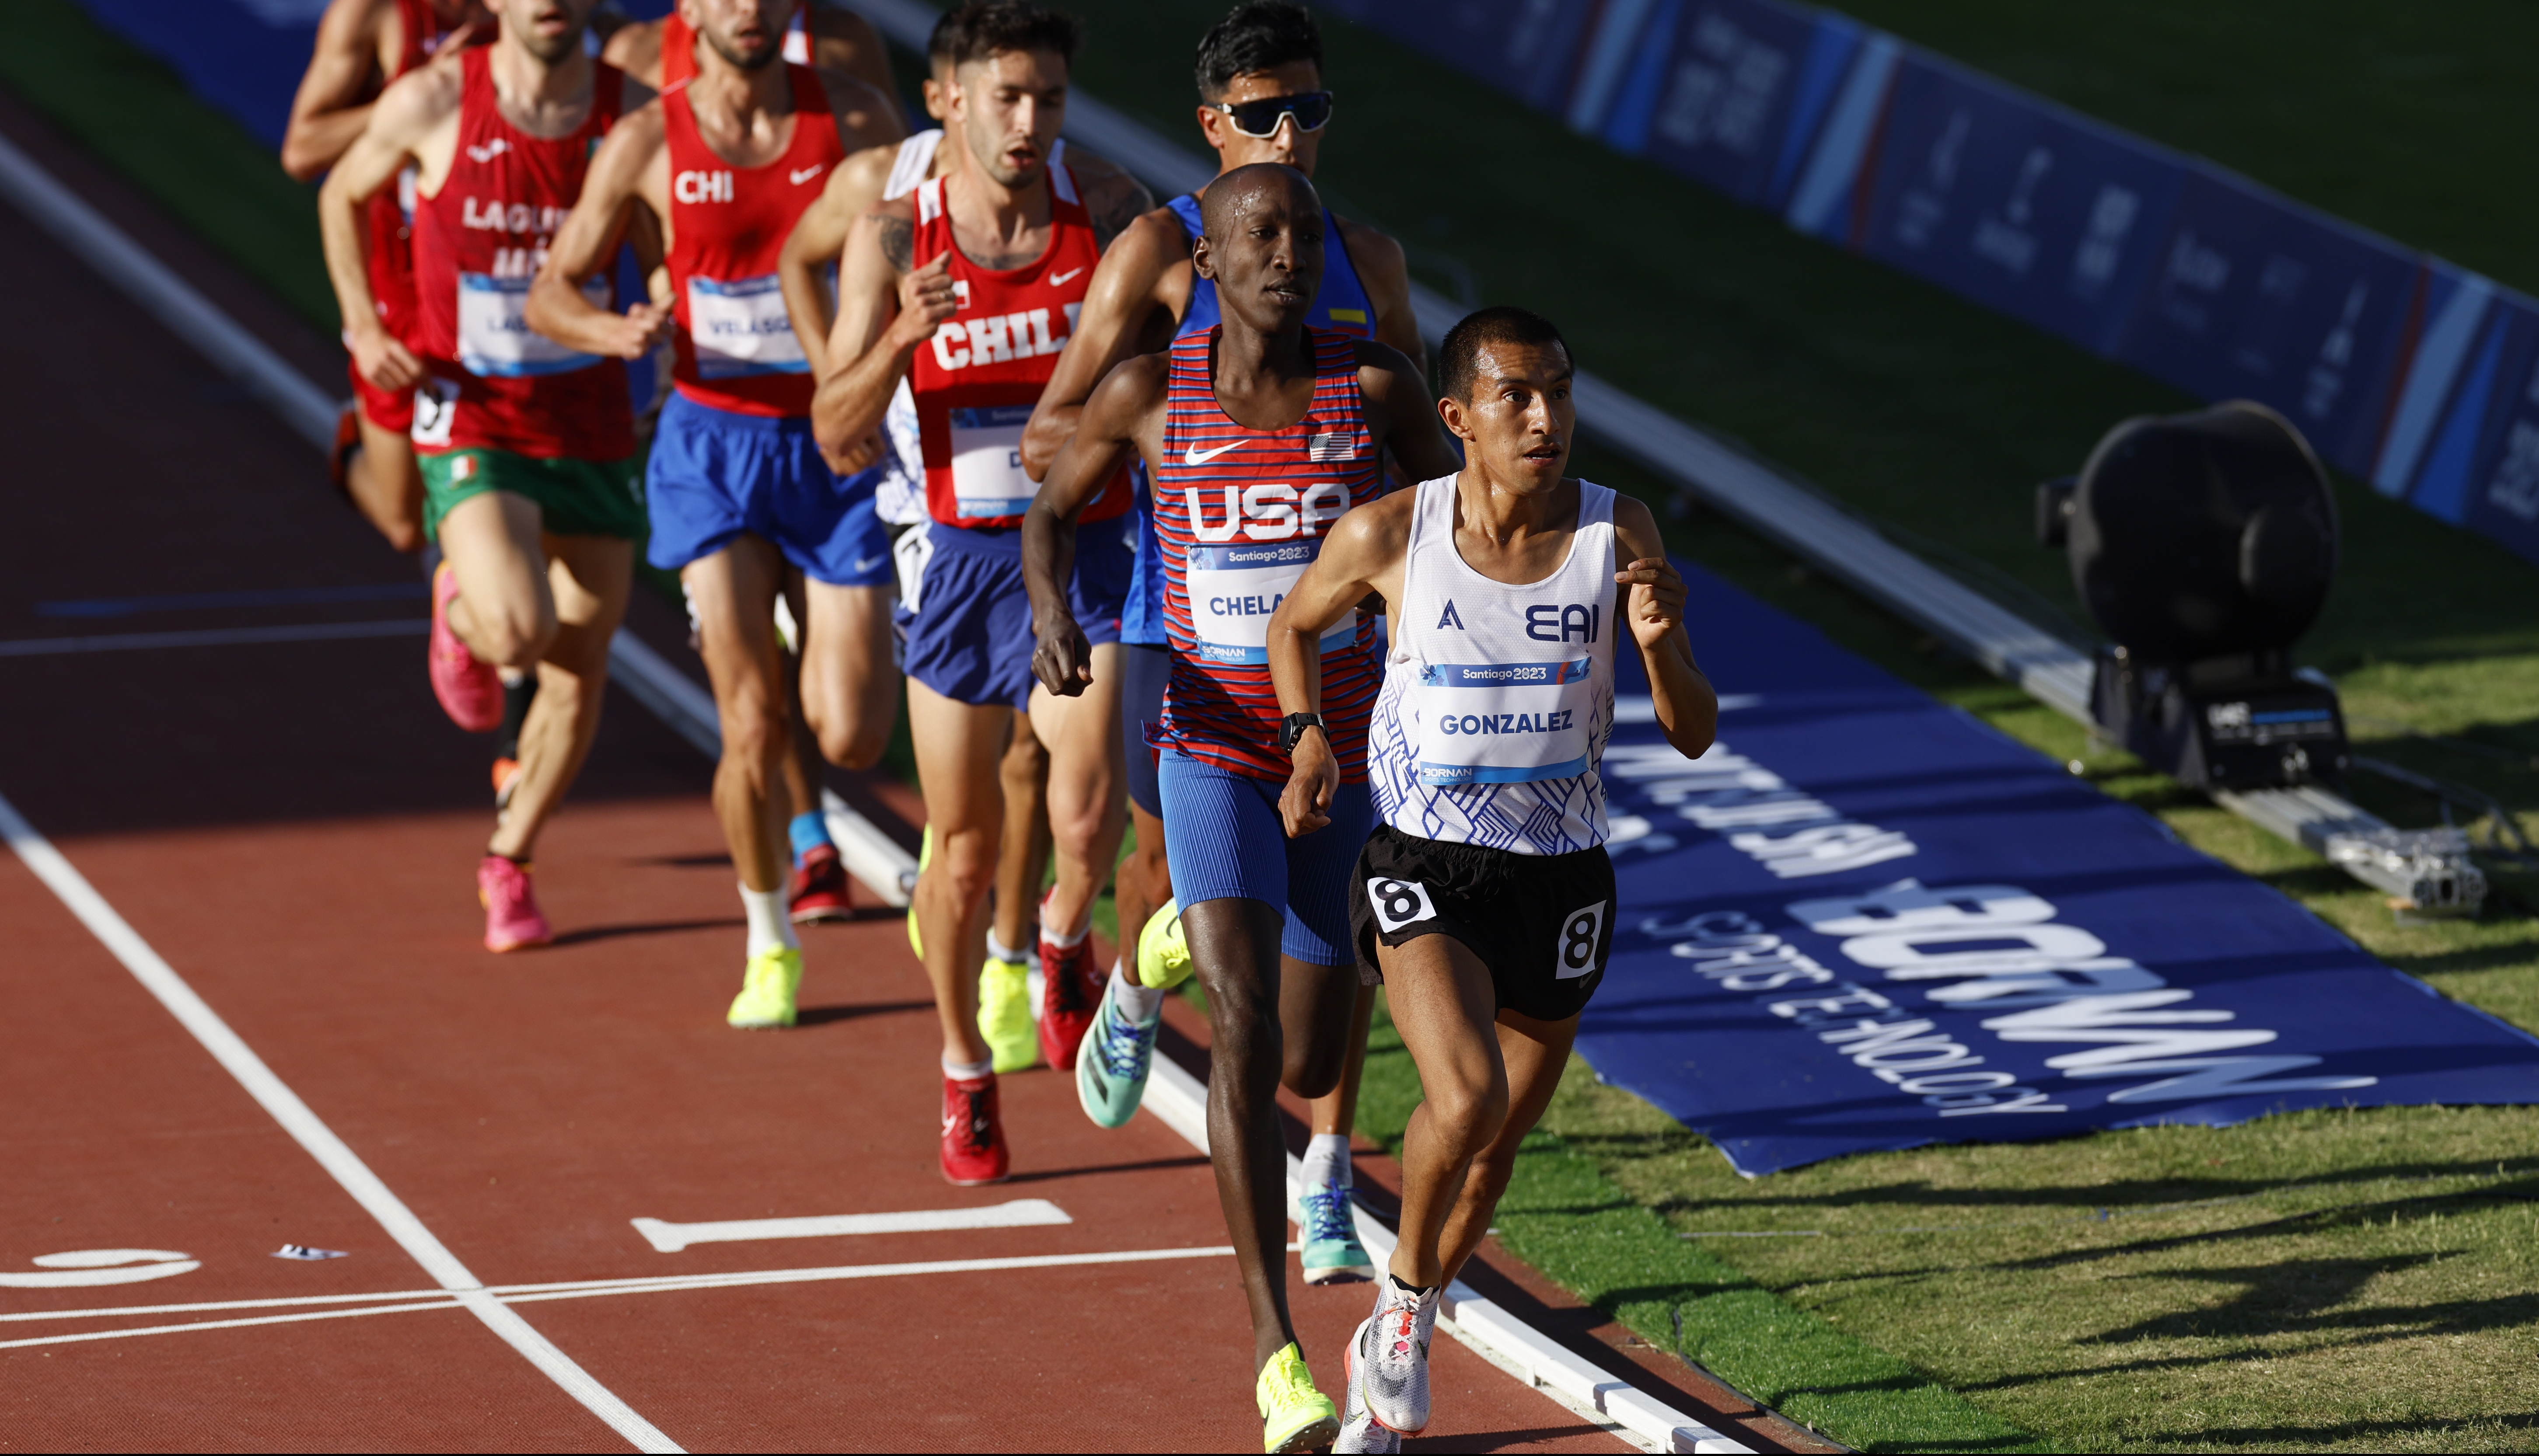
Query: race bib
[[1399, 902], [495, 339], [436, 410], [1512, 722], [988, 477], [1580, 934], [740, 327], [1234, 588]]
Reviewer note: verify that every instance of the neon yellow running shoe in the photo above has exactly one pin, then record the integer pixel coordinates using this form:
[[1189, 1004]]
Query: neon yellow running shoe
[[766, 990], [925, 856], [1163, 957], [1294, 1416], [1006, 1015]]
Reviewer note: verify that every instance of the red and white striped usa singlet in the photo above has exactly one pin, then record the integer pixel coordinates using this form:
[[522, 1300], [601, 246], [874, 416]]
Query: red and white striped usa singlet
[[1239, 514]]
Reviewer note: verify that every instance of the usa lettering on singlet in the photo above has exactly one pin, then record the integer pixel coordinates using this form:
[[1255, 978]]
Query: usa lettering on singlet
[[478, 243], [1341, 305], [736, 346], [1498, 699], [1239, 514], [978, 378]]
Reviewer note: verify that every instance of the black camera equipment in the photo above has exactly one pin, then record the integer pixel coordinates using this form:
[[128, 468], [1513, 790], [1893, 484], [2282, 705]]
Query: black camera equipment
[[2204, 544]]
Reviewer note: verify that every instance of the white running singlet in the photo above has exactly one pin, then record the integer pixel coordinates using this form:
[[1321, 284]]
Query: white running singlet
[[900, 498], [1498, 699]]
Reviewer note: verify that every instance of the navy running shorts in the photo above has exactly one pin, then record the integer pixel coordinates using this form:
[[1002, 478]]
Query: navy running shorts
[[965, 619], [1144, 673], [714, 473], [1228, 842]]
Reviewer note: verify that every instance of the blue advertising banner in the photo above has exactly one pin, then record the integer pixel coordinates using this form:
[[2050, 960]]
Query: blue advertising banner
[[2483, 470], [2254, 297], [1865, 920], [1528, 49], [1713, 91], [2026, 207]]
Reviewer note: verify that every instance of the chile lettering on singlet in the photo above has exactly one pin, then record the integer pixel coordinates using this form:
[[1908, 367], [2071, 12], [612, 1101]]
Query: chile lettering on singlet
[[1239, 514], [478, 241], [736, 348], [974, 383]]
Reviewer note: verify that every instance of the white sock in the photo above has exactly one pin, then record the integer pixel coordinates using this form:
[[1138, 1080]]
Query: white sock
[[770, 928], [967, 1071], [1137, 1000], [1067, 942], [1327, 1159], [998, 951]]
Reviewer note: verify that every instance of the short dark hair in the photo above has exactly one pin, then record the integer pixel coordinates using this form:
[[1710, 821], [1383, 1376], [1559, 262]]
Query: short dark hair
[[986, 28], [1460, 356], [1255, 36]]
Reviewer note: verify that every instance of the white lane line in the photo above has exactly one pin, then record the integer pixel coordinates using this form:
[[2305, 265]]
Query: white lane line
[[197, 1018], [592, 1288], [125, 1311], [1020, 1213], [219, 636]]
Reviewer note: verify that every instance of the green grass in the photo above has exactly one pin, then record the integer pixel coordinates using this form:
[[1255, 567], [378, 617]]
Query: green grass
[[2369, 1282]]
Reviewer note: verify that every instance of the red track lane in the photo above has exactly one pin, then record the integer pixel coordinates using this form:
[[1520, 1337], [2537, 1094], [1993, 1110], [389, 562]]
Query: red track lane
[[294, 828]]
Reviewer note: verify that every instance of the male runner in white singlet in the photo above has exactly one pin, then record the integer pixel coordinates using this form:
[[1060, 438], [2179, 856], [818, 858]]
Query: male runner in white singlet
[[725, 161], [967, 289], [1484, 901]]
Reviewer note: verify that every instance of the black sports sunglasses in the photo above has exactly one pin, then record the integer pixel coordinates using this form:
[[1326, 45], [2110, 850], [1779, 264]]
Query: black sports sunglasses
[[1311, 109]]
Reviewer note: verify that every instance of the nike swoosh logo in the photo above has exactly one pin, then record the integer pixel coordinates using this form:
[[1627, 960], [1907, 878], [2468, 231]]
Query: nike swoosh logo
[[1058, 280], [806, 174], [867, 564], [1196, 456]]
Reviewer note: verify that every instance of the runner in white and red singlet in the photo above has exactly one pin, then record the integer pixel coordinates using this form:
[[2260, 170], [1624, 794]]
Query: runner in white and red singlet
[[723, 163], [526, 447], [968, 288], [361, 46], [1258, 435]]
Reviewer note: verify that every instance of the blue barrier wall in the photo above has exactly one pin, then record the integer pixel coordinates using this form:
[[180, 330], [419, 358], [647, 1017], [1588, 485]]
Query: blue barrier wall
[[2403, 369]]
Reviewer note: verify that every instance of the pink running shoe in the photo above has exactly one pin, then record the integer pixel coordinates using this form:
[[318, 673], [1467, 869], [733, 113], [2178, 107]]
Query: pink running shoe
[[513, 920], [470, 690]]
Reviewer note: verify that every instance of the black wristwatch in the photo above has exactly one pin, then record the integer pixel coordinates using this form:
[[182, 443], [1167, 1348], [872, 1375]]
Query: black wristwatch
[[1292, 729]]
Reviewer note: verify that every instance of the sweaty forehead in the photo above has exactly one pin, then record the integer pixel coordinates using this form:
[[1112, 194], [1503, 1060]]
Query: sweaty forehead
[[1031, 70], [1508, 359], [1247, 190]]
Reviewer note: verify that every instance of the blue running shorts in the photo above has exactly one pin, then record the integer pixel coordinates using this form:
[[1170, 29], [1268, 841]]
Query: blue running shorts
[[1227, 841], [714, 473], [965, 619]]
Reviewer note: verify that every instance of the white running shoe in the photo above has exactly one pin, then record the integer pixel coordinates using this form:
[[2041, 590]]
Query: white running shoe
[[1392, 1356], [1360, 1430]]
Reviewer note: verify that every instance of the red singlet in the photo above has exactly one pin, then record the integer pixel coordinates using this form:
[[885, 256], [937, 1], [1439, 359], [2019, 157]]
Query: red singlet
[[727, 225], [976, 382], [477, 242], [387, 218], [1274, 496]]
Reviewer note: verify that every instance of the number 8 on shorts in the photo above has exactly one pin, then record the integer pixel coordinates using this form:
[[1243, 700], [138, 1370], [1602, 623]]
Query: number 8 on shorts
[[1403, 902], [1579, 934]]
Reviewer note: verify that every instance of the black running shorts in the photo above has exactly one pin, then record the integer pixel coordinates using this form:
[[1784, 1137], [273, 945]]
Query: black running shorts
[[1543, 923]]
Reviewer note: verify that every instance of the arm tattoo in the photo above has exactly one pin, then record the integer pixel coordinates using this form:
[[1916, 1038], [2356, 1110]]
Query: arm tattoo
[[899, 241], [1126, 204]]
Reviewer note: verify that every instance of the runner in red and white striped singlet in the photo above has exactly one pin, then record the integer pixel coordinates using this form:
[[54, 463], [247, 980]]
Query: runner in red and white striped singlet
[[1238, 512], [1241, 510]]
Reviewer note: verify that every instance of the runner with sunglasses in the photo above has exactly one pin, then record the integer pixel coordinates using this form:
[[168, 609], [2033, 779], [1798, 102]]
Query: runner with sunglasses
[[1261, 90], [1260, 434]]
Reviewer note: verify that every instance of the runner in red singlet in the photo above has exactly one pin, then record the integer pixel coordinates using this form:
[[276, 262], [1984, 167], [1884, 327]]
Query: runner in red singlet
[[827, 36], [968, 289], [526, 447], [723, 163], [361, 46], [1258, 435]]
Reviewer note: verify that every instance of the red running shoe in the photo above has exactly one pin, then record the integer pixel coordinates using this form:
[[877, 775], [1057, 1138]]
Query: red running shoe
[[512, 919], [820, 890], [470, 689], [974, 1140], [1069, 990]]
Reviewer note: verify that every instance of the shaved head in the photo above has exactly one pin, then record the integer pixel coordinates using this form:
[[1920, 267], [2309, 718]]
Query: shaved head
[[1232, 195]]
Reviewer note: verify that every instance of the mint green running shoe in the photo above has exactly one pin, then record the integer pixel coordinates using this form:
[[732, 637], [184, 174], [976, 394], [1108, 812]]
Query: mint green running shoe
[[1331, 1254], [1111, 1067]]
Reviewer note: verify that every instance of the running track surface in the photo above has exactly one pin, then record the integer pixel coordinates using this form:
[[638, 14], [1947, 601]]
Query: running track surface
[[293, 827]]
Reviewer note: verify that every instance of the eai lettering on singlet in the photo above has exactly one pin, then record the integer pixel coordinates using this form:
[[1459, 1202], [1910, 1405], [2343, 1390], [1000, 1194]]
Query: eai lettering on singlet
[[736, 346], [478, 241], [975, 384], [1492, 719], [1238, 515]]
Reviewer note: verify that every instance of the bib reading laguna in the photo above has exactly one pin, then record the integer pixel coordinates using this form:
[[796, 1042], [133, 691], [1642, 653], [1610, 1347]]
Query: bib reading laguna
[[1864, 920]]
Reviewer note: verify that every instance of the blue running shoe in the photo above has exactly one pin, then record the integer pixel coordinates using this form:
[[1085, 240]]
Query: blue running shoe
[[1111, 1066], [1332, 1254]]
